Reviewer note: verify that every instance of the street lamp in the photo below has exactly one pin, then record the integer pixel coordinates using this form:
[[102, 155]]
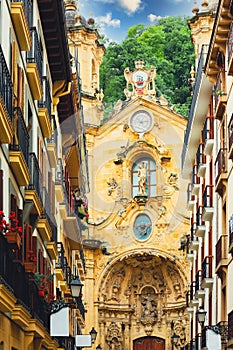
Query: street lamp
[[76, 287], [201, 314], [93, 334], [175, 339]]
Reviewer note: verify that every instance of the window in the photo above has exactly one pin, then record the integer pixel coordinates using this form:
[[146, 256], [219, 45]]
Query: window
[[150, 177]]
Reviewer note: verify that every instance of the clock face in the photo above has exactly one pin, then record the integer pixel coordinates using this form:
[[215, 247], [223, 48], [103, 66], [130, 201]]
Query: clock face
[[141, 121]]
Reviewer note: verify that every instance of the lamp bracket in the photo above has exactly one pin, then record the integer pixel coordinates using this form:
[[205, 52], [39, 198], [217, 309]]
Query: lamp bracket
[[56, 306]]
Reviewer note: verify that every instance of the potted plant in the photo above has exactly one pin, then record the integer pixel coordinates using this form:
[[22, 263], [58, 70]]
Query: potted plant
[[11, 230], [43, 283]]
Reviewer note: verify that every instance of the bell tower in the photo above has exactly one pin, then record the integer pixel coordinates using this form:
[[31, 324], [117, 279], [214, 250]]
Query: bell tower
[[87, 51]]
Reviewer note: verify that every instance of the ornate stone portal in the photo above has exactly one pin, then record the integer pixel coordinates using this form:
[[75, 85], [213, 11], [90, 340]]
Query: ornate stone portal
[[141, 293]]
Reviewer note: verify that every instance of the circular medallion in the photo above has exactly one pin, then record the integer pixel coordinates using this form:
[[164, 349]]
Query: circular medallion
[[142, 227], [141, 121]]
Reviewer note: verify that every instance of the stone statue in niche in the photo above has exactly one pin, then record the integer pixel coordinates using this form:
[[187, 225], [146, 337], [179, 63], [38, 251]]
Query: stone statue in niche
[[149, 303], [142, 172], [117, 282]]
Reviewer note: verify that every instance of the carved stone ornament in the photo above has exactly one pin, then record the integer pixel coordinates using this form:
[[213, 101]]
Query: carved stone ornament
[[114, 337]]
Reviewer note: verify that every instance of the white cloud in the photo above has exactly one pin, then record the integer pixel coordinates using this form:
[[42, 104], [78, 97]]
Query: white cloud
[[131, 6], [152, 18], [107, 19]]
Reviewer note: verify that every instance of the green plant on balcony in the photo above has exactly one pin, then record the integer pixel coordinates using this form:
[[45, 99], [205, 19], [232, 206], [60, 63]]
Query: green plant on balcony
[[43, 283]]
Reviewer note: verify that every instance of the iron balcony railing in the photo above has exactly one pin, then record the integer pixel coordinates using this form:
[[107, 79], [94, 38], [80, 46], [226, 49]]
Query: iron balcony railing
[[6, 86], [208, 131], [220, 163], [199, 221], [35, 54], [82, 258], [17, 281], [198, 279], [192, 231], [192, 291], [35, 175], [200, 69], [59, 172], [61, 256], [28, 9], [208, 196], [22, 135], [207, 267], [53, 138], [201, 158], [46, 100], [195, 178], [46, 203], [219, 87], [62, 262]]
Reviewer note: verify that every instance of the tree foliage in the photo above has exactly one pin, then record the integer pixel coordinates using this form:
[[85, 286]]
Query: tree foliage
[[165, 45]]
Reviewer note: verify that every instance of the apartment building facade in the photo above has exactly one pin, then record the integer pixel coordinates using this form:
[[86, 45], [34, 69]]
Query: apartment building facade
[[43, 176], [207, 162]]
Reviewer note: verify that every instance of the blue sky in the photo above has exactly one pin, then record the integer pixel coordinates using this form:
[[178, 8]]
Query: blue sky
[[116, 16]]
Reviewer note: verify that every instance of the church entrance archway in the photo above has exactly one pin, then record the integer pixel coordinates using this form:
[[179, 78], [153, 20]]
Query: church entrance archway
[[149, 343]]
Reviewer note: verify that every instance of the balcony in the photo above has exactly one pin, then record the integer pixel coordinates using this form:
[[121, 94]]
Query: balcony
[[190, 198], [194, 242], [44, 109], [19, 152], [193, 300], [208, 135], [21, 12], [59, 182], [189, 308], [207, 276], [201, 160], [208, 210], [195, 181], [221, 252], [220, 97], [34, 66], [33, 193], [16, 285], [221, 171], [199, 292], [200, 224], [52, 151], [189, 253], [6, 101], [230, 138]]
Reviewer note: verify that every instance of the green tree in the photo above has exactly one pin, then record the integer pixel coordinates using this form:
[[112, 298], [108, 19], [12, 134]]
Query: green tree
[[165, 45]]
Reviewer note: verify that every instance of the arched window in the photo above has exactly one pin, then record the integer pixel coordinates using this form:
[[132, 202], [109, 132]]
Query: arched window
[[150, 169]]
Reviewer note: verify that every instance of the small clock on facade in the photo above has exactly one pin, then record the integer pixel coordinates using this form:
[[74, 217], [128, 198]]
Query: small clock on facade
[[141, 121]]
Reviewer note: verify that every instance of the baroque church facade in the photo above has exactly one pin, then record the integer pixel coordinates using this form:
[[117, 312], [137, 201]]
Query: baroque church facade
[[136, 276]]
